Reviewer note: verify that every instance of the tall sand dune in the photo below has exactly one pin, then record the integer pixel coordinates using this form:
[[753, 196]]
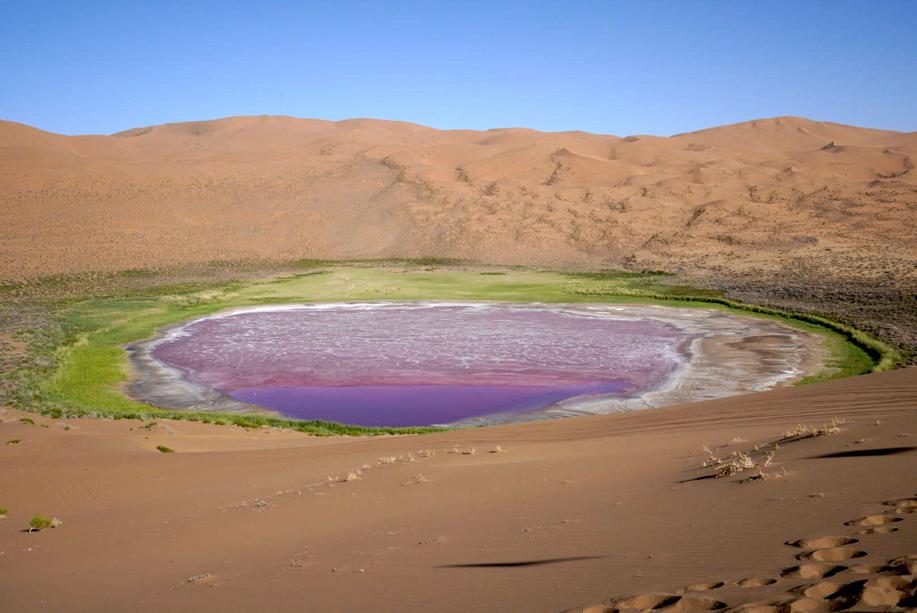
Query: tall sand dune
[[760, 196]]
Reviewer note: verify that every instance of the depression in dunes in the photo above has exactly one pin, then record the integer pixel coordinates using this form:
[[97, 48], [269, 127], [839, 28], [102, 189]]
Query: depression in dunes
[[436, 363]]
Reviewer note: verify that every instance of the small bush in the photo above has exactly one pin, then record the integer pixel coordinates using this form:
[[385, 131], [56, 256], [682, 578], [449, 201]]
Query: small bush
[[164, 449], [4, 511], [27, 421], [14, 441], [738, 463], [40, 522], [801, 431]]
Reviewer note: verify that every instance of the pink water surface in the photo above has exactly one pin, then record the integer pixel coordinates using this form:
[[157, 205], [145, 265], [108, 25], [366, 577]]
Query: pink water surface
[[418, 364]]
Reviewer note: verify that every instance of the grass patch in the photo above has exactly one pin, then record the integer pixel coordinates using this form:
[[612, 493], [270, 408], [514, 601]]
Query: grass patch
[[14, 441], [164, 449], [76, 364], [4, 511], [40, 522]]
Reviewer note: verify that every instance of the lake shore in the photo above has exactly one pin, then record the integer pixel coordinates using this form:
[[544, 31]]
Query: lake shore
[[721, 354]]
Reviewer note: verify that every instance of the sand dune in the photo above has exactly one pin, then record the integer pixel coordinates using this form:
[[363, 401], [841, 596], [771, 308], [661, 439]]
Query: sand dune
[[546, 516], [758, 196]]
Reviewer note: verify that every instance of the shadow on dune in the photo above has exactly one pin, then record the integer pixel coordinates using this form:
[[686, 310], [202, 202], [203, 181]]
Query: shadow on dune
[[521, 563], [863, 453]]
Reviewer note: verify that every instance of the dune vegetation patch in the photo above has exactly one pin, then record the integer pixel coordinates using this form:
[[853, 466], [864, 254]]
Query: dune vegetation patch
[[75, 327]]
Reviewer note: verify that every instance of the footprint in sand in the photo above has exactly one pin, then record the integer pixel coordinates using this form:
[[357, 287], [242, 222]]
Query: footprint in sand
[[892, 585], [701, 587], [903, 505], [695, 604], [886, 591], [905, 565], [865, 569], [648, 602], [860, 593], [812, 571], [755, 582], [820, 590], [761, 607], [833, 554], [879, 530], [822, 542], [890, 582], [670, 603], [873, 520]]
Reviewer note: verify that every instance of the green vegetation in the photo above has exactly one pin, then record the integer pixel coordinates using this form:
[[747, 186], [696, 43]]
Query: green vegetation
[[76, 364], [40, 522], [164, 449], [14, 441], [27, 421], [4, 511]]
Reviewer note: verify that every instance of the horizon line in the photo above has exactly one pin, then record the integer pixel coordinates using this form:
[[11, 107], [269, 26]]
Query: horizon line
[[420, 125]]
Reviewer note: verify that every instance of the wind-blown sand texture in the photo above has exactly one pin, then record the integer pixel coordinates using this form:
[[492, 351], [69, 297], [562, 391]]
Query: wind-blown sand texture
[[625, 510], [762, 196]]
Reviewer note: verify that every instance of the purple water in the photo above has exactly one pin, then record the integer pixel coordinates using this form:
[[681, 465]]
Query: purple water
[[411, 405], [419, 364]]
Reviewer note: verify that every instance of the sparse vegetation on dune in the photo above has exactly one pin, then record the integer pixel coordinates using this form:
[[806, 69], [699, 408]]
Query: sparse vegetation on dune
[[70, 330], [42, 522], [761, 457]]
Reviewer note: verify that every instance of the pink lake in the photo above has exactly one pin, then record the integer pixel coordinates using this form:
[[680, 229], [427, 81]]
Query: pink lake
[[405, 364]]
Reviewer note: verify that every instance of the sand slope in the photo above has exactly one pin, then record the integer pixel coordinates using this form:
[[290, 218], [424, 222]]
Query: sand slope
[[755, 196], [566, 513]]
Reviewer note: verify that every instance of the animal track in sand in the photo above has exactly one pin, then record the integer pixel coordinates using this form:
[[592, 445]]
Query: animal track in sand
[[755, 582], [812, 571], [822, 542], [833, 554], [872, 520]]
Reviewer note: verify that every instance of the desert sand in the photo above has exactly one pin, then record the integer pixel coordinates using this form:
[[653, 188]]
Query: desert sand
[[770, 196], [545, 516]]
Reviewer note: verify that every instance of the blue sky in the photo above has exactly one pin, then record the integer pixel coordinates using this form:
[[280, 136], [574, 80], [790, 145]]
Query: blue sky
[[609, 67]]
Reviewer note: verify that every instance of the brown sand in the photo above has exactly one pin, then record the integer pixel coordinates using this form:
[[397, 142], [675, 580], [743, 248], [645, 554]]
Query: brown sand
[[762, 196], [543, 516]]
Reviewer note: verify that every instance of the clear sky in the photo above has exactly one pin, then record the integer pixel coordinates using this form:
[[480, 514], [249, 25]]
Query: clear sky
[[610, 67]]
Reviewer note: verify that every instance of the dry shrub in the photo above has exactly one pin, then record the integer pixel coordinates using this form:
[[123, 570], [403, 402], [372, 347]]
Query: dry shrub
[[803, 431]]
